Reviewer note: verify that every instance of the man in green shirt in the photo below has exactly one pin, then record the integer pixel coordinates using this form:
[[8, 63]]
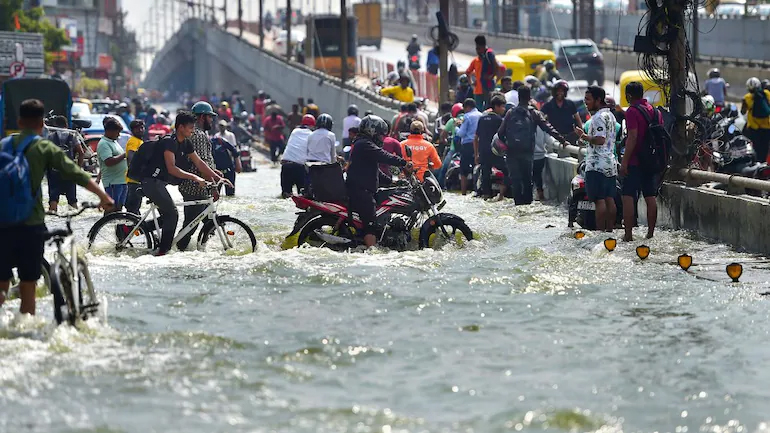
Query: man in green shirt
[[112, 162], [23, 243]]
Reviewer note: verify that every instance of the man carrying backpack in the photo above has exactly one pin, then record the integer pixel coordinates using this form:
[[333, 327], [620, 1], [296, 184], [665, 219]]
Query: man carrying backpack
[[485, 70], [640, 169], [756, 107], [24, 159], [518, 133], [68, 142]]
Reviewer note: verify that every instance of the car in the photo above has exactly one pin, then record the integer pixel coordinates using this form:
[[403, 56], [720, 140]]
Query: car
[[561, 6], [96, 131], [585, 60], [279, 45], [80, 109], [103, 106]]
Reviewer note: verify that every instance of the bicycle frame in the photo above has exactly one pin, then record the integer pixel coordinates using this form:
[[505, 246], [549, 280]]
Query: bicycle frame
[[60, 258], [210, 211]]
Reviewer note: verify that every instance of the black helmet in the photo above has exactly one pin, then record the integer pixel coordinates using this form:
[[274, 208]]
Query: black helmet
[[400, 64], [549, 65], [766, 84], [373, 127], [714, 73], [352, 110], [463, 80], [324, 121]]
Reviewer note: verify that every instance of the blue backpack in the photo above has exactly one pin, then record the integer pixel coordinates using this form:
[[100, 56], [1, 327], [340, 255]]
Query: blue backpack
[[16, 198]]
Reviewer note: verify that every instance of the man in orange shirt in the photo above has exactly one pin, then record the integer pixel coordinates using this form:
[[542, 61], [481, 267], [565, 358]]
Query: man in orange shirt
[[484, 69], [423, 152]]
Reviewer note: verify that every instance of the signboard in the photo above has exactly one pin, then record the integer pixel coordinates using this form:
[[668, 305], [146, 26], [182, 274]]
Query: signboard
[[70, 27], [25, 48]]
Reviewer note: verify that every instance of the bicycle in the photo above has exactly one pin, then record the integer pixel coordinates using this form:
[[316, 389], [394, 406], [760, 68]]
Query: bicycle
[[124, 231], [64, 279]]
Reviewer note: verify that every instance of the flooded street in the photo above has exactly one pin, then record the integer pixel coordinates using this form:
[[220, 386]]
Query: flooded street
[[523, 329]]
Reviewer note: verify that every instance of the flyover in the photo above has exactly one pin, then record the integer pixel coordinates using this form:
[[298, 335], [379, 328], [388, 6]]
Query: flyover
[[208, 59]]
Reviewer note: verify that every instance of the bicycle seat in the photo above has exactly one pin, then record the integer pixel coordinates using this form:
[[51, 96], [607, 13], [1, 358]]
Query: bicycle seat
[[58, 233]]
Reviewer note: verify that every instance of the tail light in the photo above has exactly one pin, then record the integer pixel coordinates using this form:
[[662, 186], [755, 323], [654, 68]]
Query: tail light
[[413, 58], [763, 173]]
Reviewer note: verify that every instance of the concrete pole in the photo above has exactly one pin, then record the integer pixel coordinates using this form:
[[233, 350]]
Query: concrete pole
[[443, 55], [261, 29], [677, 62], [344, 42], [240, 19], [288, 29], [224, 12]]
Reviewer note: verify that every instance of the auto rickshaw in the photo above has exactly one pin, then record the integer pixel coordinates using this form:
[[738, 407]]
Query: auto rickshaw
[[55, 95], [533, 58], [652, 92], [514, 66]]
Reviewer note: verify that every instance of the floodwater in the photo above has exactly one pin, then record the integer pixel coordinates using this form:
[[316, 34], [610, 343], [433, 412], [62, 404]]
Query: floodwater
[[523, 329]]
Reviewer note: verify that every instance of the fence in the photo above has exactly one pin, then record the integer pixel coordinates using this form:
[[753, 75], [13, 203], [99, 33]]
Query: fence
[[425, 84]]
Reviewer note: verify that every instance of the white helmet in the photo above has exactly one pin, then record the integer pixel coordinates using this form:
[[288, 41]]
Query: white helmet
[[753, 84]]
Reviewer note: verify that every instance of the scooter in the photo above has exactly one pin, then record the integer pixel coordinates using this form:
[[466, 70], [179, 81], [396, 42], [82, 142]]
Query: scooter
[[497, 180], [244, 153], [581, 209], [414, 62]]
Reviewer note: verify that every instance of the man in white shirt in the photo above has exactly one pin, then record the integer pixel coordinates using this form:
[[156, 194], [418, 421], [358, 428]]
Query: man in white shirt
[[293, 161], [224, 133], [351, 121], [321, 143]]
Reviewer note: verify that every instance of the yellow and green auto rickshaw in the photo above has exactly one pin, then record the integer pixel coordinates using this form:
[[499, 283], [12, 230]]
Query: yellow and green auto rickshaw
[[533, 58], [515, 67], [652, 92]]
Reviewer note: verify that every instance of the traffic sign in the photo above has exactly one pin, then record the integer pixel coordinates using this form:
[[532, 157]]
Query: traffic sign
[[17, 70]]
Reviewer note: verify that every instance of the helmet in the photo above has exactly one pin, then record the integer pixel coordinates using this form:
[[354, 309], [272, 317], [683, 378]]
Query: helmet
[[165, 113], [499, 147], [531, 79], [244, 114], [401, 64], [324, 121], [163, 120], [414, 37], [708, 104], [561, 83], [714, 73], [373, 127], [456, 109], [225, 104], [252, 117], [753, 84], [123, 105], [202, 107], [549, 65], [463, 80], [766, 84], [352, 110], [308, 120]]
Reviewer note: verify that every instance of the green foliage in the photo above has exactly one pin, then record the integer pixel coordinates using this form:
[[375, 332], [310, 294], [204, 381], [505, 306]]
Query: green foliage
[[33, 21]]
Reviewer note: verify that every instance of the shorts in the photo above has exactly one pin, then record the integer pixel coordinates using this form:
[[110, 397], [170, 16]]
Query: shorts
[[22, 249], [58, 187], [362, 202], [467, 159], [639, 180], [118, 193], [599, 186]]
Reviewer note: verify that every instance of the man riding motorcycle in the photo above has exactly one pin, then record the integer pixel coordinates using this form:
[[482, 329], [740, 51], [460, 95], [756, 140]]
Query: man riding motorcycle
[[550, 73], [364, 175], [413, 47]]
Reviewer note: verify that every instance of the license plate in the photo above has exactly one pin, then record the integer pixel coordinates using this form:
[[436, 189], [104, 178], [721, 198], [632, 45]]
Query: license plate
[[579, 65], [495, 187], [586, 205]]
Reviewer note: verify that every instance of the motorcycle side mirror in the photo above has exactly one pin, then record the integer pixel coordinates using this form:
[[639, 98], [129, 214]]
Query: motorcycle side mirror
[[408, 151], [731, 129]]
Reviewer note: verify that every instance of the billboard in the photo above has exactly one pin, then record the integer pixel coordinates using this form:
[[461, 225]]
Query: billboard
[[21, 53]]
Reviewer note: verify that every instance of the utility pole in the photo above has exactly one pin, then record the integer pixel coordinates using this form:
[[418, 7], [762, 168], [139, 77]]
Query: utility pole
[[443, 63], [261, 28], [695, 33], [288, 29], [240, 19], [575, 12], [344, 43], [677, 63], [224, 12]]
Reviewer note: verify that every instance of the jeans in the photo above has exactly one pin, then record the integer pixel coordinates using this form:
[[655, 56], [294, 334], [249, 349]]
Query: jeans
[[134, 198], [520, 178], [537, 172], [156, 191], [190, 213], [118, 193], [58, 187], [444, 167]]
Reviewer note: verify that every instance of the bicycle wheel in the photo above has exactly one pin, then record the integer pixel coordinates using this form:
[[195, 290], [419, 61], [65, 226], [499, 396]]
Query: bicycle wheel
[[107, 234], [61, 289], [239, 237], [89, 304]]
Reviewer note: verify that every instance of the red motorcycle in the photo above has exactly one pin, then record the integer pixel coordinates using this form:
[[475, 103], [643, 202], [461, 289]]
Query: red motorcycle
[[400, 210]]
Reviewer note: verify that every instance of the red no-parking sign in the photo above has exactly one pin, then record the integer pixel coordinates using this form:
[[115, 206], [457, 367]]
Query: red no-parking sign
[[17, 70]]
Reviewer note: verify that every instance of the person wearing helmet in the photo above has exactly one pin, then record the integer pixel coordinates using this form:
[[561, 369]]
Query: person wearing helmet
[[413, 47], [311, 108], [716, 87], [364, 175], [403, 92], [190, 190], [224, 111], [464, 89], [321, 143], [708, 106], [273, 127], [485, 70], [550, 73], [756, 107], [351, 121], [293, 171], [562, 113]]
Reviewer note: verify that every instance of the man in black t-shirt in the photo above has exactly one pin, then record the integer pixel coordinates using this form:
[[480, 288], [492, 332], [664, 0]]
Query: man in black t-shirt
[[489, 123], [562, 113], [162, 170]]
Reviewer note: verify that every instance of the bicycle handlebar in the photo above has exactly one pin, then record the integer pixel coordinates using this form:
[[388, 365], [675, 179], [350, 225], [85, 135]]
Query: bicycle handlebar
[[83, 206]]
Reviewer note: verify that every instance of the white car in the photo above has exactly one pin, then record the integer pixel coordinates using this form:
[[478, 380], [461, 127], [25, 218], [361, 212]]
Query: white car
[[279, 46], [80, 109]]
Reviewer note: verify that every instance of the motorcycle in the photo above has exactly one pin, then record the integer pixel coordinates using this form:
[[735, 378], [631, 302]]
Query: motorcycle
[[414, 62], [581, 209], [733, 153], [400, 210], [453, 172], [497, 180]]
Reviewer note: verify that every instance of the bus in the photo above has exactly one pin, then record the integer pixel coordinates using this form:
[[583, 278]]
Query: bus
[[322, 44]]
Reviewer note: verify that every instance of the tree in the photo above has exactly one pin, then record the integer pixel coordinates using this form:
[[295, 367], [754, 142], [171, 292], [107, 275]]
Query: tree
[[32, 21]]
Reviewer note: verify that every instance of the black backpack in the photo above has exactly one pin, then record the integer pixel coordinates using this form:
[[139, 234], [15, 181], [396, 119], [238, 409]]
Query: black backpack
[[519, 131], [139, 168], [655, 150]]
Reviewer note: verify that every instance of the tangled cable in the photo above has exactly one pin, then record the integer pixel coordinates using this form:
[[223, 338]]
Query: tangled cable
[[452, 39]]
